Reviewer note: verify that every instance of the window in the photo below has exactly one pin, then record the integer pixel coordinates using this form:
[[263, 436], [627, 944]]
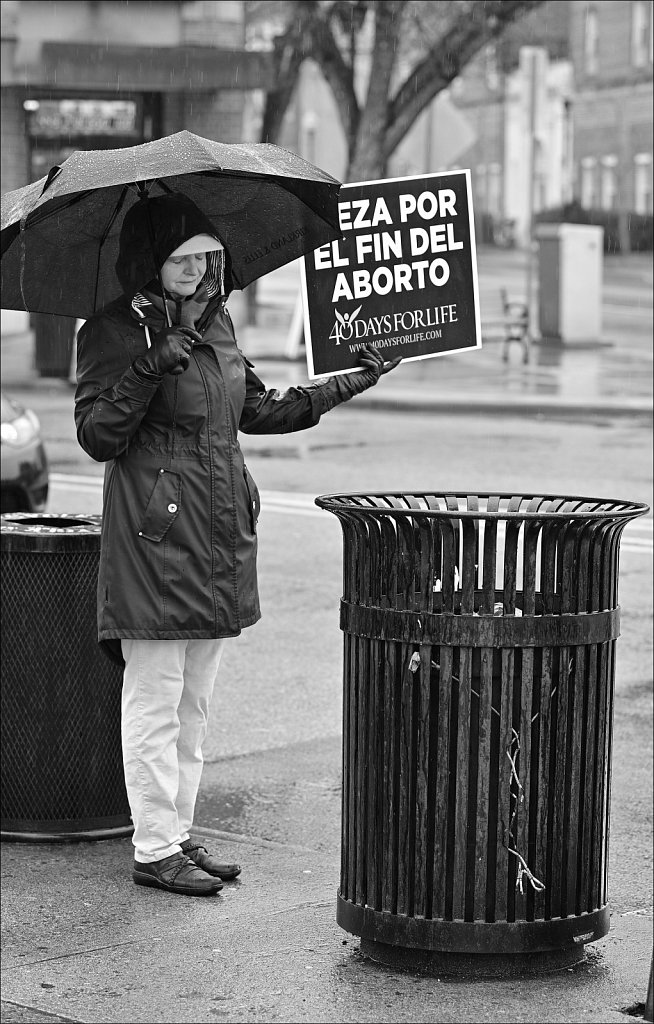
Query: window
[[482, 191], [591, 42], [643, 182], [494, 189], [48, 118], [588, 182], [491, 67], [608, 182], [639, 33]]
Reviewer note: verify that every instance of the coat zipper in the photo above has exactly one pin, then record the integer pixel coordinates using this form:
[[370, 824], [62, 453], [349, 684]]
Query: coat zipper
[[211, 496]]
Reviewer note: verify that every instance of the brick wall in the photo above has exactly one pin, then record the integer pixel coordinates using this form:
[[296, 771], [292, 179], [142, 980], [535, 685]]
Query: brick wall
[[614, 60], [617, 123], [217, 116]]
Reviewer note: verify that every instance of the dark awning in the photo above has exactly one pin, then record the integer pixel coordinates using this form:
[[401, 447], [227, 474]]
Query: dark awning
[[145, 68]]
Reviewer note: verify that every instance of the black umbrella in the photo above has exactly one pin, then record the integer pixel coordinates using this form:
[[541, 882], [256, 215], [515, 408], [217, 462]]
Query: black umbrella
[[59, 238]]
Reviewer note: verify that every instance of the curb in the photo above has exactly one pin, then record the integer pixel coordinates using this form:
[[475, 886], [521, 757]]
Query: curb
[[501, 406]]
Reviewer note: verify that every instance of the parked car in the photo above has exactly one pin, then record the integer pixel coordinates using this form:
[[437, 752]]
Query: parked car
[[24, 475]]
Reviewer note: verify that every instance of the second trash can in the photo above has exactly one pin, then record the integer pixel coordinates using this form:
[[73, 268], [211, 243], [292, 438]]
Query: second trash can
[[62, 770], [479, 657], [54, 340]]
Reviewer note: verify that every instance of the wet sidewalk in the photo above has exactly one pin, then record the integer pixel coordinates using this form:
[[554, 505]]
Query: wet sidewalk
[[81, 943], [612, 376]]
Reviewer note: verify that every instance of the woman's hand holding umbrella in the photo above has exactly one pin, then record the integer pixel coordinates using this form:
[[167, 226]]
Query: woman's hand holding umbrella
[[170, 351]]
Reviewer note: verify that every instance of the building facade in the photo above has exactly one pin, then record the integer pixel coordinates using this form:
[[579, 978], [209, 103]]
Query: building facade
[[562, 115], [104, 74], [612, 51], [94, 74]]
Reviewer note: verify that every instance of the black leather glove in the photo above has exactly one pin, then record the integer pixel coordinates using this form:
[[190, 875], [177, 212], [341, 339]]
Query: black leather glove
[[170, 351], [346, 385]]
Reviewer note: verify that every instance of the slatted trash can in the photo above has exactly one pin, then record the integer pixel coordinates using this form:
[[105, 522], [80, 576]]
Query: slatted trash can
[[62, 772], [479, 654]]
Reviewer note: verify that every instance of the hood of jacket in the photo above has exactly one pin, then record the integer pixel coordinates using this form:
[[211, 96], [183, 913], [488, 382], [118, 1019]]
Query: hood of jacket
[[153, 228]]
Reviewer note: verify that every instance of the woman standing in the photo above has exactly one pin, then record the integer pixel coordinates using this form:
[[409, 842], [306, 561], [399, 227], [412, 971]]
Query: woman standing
[[162, 407]]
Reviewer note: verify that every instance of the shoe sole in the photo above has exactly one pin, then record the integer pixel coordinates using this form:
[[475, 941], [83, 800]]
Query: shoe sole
[[180, 890]]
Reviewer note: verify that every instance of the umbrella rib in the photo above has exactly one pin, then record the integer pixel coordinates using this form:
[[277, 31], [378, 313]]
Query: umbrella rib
[[39, 215]]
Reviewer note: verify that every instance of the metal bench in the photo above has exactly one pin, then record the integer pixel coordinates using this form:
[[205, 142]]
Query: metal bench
[[516, 325]]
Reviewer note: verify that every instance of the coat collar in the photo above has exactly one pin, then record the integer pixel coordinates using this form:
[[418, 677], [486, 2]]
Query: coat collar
[[148, 310]]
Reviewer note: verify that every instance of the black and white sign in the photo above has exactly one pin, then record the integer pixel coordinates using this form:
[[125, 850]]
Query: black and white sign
[[403, 277]]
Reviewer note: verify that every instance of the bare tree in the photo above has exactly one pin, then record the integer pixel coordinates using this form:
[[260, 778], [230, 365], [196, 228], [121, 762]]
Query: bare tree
[[415, 48]]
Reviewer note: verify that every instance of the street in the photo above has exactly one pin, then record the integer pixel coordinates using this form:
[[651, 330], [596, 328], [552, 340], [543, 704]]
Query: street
[[270, 791], [300, 553]]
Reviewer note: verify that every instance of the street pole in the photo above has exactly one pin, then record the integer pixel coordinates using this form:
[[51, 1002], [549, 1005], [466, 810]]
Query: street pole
[[532, 188]]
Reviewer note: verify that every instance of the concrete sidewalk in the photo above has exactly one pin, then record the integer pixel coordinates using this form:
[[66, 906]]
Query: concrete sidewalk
[[82, 943]]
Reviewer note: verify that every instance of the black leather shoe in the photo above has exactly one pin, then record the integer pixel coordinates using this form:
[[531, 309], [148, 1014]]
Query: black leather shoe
[[176, 873], [201, 856]]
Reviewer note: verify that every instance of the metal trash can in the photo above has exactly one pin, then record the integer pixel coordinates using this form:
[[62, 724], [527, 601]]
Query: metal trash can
[[479, 657], [54, 339], [62, 771]]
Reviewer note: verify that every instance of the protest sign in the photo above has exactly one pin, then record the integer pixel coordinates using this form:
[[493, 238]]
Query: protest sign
[[402, 278]]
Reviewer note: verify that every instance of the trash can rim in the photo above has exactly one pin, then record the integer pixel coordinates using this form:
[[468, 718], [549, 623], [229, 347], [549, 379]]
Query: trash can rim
[[32, 524], [623, 509]]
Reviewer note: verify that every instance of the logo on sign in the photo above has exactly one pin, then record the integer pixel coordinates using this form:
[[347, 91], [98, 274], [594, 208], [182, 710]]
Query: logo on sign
[[343, 326]]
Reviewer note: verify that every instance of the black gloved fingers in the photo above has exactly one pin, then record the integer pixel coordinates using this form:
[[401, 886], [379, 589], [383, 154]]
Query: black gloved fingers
[[190, 332], [372, 358], [391, 364], [371, 362], [183, 361]]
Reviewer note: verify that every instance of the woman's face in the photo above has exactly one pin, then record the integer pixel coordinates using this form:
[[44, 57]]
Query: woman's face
[[182, 274]]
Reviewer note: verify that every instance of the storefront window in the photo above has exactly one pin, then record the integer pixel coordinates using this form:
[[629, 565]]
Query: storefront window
[[52, 118], [57, 126]]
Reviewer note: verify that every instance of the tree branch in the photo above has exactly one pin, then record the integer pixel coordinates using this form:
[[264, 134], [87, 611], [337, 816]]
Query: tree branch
[[445, 60], [338, 73], [369, 148]]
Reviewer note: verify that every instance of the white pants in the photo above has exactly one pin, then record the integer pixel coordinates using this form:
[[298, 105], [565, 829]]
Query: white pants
[[167, 688]]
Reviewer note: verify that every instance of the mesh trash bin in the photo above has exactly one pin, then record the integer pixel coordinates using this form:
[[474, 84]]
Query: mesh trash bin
[[479, 655], [62, 772]]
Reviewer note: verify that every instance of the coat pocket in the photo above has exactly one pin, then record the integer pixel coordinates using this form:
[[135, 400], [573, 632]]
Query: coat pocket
[[163, 506], [253, 498]]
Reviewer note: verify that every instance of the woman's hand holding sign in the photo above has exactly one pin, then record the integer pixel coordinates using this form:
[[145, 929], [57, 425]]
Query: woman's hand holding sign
[[346, 385], [372, 359]]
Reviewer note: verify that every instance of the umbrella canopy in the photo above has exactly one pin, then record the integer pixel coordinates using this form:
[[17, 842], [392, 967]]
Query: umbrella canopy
[[60, 235]]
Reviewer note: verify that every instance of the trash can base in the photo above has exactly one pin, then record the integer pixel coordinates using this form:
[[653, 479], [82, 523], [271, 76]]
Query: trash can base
[[65, 832], [472, 965], [478, 941]]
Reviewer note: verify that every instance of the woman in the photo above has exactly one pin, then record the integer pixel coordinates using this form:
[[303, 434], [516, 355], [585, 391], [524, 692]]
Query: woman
[[162, 407]]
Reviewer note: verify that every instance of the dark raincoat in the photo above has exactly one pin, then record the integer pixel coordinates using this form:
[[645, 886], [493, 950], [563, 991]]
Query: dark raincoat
[[180, 509]]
